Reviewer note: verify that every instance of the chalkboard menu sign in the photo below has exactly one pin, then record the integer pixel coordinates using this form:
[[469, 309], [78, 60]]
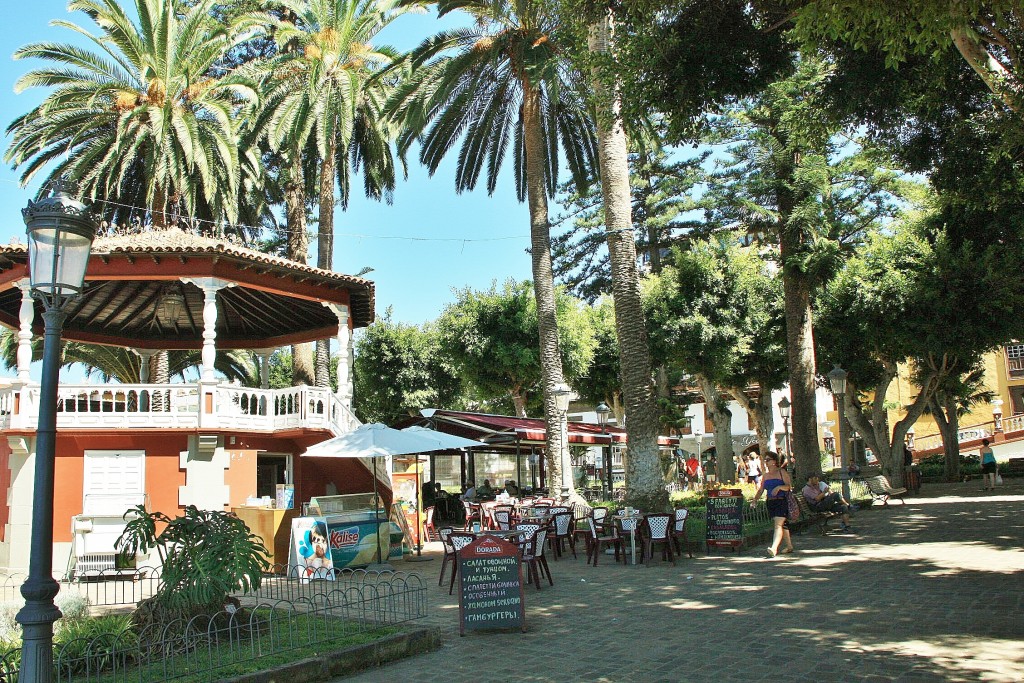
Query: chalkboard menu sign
[[725, 518], [490, 586]]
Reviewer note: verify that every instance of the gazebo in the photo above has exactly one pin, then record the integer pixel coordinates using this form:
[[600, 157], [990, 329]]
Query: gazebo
[[206, 443]]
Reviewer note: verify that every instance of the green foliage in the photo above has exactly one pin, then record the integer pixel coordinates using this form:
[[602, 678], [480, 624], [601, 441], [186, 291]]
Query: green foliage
[[136, 118], [661, 204], [400, 369], [205, 555], [492, 338], [469, 84]]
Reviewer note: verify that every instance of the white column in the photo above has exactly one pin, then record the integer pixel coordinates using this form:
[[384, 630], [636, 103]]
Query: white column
[[264, 355], [345, 351], [210, 287], [25, 317], [146, 355]]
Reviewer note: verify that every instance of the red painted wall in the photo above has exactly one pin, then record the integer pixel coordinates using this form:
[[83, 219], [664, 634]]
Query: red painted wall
[[5, 485]]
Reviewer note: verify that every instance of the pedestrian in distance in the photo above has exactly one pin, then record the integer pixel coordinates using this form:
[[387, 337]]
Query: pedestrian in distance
[[776, 485], [989, 469]]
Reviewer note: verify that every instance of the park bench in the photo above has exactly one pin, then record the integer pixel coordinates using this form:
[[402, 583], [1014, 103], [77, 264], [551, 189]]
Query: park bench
[[880, 489], [821, 519], [1015, 467]]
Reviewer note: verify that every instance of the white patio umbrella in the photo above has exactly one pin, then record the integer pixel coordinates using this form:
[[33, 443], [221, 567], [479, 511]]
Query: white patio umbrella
[[373, 441], [445, 442]]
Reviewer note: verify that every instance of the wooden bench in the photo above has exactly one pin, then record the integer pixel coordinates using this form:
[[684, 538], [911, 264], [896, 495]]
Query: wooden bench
[[821, 519], [1015, 467], [880, 489]]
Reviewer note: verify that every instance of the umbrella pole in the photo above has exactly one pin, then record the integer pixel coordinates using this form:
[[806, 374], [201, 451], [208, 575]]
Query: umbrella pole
[[376, 509], [419, 527]]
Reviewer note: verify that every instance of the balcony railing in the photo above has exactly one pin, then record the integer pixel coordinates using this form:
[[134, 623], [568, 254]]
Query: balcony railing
[[1015, 367], [180, 406], [985, 430]]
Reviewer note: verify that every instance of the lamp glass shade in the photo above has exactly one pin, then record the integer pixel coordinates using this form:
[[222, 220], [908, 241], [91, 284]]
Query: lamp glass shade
[[837, 378], [785, 407], [603, 411], [57, 260], [60, 234], [562, 394]]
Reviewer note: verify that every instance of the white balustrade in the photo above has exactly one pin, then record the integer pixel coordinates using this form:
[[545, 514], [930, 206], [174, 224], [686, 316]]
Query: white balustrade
[[142, 406]]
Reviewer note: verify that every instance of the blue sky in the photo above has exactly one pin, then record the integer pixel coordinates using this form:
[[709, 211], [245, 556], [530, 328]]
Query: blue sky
[[428, 242]]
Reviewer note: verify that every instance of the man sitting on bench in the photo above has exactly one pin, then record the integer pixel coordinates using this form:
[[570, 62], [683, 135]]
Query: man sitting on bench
[[821, 499]]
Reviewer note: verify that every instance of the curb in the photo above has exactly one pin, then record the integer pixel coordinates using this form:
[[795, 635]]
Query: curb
[[348, 660]]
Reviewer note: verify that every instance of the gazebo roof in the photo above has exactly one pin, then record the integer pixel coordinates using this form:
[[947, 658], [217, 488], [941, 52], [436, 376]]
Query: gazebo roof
[[269, 301]]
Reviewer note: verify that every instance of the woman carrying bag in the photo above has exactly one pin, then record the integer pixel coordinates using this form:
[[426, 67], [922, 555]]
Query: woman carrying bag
[[777, 486]]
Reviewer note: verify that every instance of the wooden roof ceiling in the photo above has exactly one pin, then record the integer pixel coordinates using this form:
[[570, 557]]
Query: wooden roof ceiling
[[271, 301]]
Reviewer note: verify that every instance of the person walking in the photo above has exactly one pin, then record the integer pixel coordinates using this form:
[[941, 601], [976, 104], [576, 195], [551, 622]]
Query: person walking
[[989, 469], [776, 485]]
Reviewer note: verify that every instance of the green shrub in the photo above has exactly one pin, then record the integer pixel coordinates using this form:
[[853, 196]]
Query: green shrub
[[72, 605], [206, 555]]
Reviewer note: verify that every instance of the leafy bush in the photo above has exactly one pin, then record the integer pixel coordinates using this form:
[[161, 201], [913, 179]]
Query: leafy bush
[[206, 555], [90, 644], [72, 605]]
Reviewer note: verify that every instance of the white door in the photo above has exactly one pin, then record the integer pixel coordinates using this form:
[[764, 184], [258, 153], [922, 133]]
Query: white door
[[114, 481]]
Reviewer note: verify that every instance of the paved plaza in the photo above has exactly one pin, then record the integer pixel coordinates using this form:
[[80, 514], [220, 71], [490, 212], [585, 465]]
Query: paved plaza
[[930, 591]]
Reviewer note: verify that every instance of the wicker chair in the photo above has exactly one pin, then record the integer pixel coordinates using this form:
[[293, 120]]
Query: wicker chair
[[679, 539], [533, 556], [444, 534], [595, 541], [429, 532], [657, 529], [502, 518], [562, 532], [458, 541], [626, 527]]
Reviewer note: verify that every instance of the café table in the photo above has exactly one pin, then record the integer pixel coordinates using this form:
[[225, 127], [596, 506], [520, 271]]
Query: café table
[[632, 525]]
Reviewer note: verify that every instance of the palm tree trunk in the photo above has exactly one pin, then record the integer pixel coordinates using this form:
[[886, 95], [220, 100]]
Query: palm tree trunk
[[644, 482], [543, 282], [159, 373], [298, 248], [325, 251]]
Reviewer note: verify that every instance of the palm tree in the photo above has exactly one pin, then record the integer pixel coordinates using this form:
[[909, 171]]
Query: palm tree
[[140, 117], [327, 97], [645, 484], [506, 81]]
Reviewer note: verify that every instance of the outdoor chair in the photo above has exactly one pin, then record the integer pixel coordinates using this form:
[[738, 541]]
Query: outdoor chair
[[599, 514], [597, 542], [562, 532], [502, 519], [444, 534], [626, 527], [679, 539], [656, 530], [458, 541], [429, 532], [472, 514], [533, 557]]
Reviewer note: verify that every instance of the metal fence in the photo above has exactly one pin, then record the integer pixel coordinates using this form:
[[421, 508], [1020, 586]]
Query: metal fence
[[107, 587], [322, 611]]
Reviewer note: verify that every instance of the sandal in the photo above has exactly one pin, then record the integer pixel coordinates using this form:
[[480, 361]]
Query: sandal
[[770, 553], [786, 551]]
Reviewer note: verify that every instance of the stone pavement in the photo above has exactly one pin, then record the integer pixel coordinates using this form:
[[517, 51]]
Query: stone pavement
[[930, 591]]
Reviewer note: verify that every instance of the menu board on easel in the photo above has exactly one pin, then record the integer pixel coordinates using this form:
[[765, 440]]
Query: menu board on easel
[[724, 514], [490, 586]]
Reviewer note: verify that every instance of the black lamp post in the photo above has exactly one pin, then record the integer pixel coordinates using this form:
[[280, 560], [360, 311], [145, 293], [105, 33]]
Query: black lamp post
[[603, 411], [785, 410], [837, 378], [60, 234]]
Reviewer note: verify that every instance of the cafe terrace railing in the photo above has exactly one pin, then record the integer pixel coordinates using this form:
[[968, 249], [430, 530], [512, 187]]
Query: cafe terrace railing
[[181, 406]]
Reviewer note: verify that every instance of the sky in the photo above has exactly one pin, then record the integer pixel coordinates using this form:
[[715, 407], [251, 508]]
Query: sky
[[429, 242]]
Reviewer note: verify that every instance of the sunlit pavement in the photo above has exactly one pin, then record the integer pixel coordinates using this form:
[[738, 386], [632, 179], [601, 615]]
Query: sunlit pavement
[[929, 591]]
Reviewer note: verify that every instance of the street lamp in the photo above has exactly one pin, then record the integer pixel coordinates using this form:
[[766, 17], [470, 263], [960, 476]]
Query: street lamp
[[785, 410], [603, 411], [60, 234], [837, 378], [563, 394]]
